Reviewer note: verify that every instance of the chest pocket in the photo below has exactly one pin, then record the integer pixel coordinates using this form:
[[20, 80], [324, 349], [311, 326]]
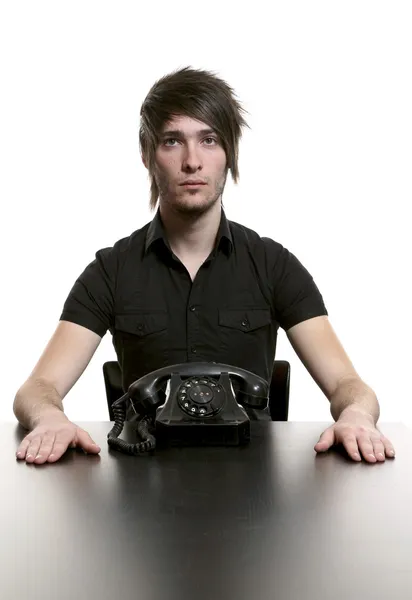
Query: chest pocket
[[244, 320], [244, 330], [141, 342], [141, 324]]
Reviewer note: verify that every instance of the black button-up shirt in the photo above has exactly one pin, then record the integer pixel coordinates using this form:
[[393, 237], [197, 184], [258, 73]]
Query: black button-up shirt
[[140, 291]]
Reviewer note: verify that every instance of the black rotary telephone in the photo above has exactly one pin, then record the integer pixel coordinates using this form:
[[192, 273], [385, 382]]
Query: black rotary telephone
[[200, 409]]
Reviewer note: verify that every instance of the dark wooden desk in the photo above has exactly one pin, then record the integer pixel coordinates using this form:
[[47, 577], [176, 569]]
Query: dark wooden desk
[[269, 521]]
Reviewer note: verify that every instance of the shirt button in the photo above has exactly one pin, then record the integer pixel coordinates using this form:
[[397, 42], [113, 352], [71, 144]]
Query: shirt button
[[193, 308], [140, 326], [245, 323], [193, 350]]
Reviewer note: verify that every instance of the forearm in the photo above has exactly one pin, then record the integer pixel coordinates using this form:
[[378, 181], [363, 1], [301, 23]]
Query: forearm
[[36, 400], [354, 395]]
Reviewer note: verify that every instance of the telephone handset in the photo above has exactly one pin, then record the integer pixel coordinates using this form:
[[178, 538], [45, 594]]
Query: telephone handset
[[200, 409]]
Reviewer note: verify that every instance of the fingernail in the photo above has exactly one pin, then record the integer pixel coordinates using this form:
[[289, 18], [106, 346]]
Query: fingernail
[[356, 455], [391, 453], [19, 454], [372, 456], [38, 456], [380, 455], [29, 456]]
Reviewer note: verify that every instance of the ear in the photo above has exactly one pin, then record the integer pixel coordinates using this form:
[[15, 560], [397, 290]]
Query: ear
[[144, 161]]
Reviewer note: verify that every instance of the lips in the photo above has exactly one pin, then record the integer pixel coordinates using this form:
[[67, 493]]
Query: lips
[[193, 183]]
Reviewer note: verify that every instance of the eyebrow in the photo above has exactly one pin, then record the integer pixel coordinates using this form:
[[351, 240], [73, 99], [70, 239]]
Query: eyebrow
[[180, 133]]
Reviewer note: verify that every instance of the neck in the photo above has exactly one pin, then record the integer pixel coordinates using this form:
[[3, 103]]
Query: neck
[[191, 235]]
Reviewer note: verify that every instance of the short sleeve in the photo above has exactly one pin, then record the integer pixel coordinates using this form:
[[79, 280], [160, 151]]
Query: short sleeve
[[90, 302], [296, 296]]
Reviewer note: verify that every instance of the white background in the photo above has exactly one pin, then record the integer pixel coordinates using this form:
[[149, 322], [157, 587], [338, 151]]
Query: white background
[[325, 169]]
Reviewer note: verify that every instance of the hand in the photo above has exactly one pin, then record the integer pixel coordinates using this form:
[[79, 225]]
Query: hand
[[358, 433], [49, 440]]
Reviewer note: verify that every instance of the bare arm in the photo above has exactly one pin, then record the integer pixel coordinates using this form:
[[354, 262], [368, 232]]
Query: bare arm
[[353, 404], [34, 400], [38, 403], [320, 350], [64, 359]]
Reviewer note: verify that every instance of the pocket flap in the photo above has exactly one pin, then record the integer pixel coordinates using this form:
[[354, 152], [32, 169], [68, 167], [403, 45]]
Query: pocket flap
[[244, 319], [141, 323]]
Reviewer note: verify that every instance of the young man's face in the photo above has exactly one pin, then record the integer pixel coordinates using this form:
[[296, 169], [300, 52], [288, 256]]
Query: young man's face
[[189, 150]]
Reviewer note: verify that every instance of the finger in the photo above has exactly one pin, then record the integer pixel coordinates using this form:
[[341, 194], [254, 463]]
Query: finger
[[85, 441], [60, 445], [22, 449], [326, 440], [378, 449], [366, 447], [46, 448], [389, 449], [33, 448], [351, 446]]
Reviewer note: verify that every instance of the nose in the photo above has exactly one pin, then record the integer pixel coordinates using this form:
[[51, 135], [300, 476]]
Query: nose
[[191, 160]]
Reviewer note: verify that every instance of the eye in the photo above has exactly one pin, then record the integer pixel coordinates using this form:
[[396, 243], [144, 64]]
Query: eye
[[167, 140]]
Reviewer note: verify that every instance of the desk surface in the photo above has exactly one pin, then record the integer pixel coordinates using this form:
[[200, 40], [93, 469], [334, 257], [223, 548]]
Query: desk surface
[[270, 520]]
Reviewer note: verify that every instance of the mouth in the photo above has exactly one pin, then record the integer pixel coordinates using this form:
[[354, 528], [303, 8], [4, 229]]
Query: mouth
[[192, 185]]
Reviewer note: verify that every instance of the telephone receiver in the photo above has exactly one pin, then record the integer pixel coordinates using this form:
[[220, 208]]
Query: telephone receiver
[[200, 408]]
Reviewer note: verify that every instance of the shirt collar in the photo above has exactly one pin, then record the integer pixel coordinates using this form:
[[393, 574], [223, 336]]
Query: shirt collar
[[156, 232]]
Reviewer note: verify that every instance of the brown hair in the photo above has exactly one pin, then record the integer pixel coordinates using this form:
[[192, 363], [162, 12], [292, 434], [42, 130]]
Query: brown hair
[[194, 93]]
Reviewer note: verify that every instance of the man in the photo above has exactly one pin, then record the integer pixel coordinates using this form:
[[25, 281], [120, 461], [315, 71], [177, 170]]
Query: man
[[193, 286]]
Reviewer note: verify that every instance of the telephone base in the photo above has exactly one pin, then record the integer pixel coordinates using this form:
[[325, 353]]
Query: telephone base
[[192, 433]]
